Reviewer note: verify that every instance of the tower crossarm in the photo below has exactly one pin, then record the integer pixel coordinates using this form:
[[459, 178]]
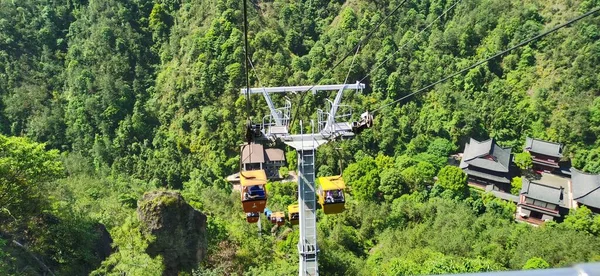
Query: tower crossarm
[[305, 88]]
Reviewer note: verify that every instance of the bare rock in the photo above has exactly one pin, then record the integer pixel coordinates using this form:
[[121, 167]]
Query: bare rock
[[180, 230], [102, 246]]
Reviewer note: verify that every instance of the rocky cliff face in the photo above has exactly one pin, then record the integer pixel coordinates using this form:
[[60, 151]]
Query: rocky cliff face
[[102, 247], [180, 230]]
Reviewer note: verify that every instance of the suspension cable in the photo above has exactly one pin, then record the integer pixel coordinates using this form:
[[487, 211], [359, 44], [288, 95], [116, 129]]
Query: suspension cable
[[257, 77], [255, 73], [249, 135], [410, 41], [351, 64], [554, 29], [355, 49], [246, 50]]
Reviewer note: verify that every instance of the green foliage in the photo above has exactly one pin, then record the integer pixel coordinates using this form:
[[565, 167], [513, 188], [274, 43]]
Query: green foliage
[[131, 255], [441, 147], [292, 159], [582, 219], [419, 176], [438, 162], [515, 185], [588, 160], [500, 208], [442, 225], [4, 257], [284, 172], [424, 262], [392, 184], [536, 263], [25, 168], [384, 162], [453, 179], [523, 160], [282, 194], [69, 240], [418, 144], [324, 170], [66, 237], [404, 162], [142, 94], [362, 178]]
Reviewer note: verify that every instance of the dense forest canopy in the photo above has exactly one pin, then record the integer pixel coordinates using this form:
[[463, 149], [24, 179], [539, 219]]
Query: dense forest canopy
[[101, 101]]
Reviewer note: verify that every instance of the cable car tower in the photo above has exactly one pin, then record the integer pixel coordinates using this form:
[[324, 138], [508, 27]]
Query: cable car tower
[[276, 126]]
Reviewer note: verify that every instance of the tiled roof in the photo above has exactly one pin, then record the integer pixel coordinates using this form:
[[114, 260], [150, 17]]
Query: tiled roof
[[502, 195], [486, 155], [542, 192], [543, 147], [253, 153], [486, 176], [275, 154], [586, 188]]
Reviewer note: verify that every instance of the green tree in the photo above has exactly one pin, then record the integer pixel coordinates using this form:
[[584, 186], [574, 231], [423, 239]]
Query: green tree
[[453, 179], [159, 22], [284, 172], [362, 178], [418, 144], [523, 160], [536, 263], [404, 161], [580, 219], [437, 161], [384, 162], [515, 185], [131, 255], [392, 184], [324, 170], [592, 161], [4, 256], [441, 147], [419, 176], [291, 157], [25, 167]]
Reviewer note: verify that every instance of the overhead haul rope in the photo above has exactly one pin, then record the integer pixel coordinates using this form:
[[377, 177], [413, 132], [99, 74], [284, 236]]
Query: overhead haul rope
[[354, 50], [411, 40], [415, 36], [351, 64], [556, 28], [259, 84], [249, 134], [248, 106], [256, 74]]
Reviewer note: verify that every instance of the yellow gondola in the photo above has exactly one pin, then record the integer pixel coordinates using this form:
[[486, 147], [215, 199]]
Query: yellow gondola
[[278, 218], [254, 194], [331, 194], [294, 213]]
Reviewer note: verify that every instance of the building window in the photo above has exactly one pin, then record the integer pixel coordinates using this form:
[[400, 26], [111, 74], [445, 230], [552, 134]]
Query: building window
[[528, 200]]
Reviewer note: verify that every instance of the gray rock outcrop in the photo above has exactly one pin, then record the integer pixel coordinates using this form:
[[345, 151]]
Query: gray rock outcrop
[[180, 230]]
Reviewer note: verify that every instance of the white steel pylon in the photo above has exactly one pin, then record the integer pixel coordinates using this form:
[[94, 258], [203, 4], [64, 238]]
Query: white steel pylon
[[306, 145]]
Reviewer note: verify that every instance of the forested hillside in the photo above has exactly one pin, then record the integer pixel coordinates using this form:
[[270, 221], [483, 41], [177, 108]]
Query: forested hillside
[[101, 101]]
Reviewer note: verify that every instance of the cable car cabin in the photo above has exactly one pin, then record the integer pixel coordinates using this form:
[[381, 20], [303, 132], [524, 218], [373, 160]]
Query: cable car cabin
[[294, 214], [331, 194], [268, 214], [278, 218], [254, 194], [252, 217], [366, 121]]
